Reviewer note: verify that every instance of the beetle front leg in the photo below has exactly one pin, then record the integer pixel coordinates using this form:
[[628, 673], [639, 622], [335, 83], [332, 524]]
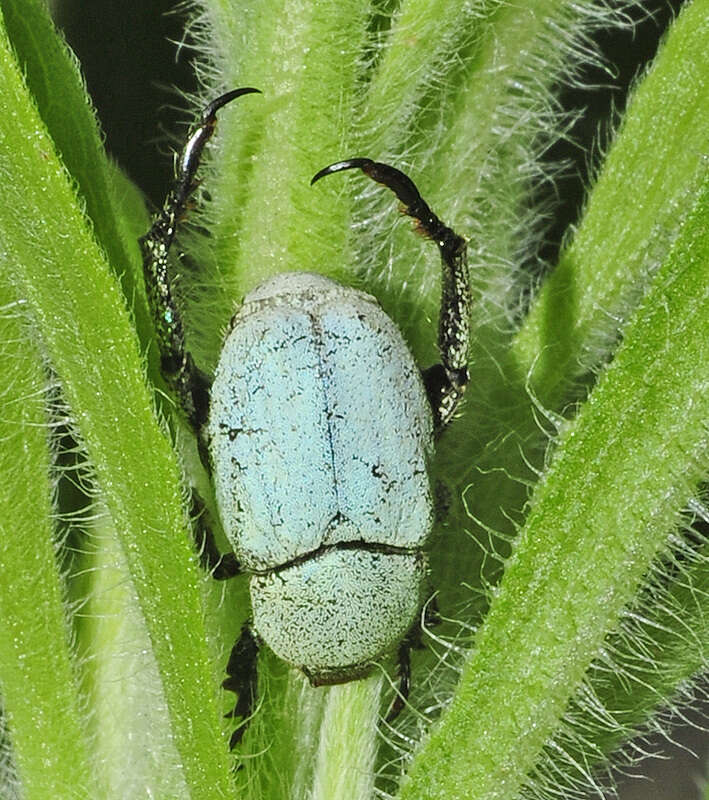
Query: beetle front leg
[[242, 678], [445, 382], [189, 383]]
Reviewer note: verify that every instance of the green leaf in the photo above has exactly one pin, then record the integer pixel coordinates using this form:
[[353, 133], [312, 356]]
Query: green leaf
[[53, 78], [85, 329], [40, 694], [653, 169], [622, 471]]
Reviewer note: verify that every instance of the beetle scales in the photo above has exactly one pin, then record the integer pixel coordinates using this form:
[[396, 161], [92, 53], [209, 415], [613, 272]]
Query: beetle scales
[[319, 433], [318, 427]]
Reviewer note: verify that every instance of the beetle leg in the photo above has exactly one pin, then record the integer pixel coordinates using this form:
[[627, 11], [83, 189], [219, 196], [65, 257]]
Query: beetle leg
[[431, 615], [445, 382], [221, 567], [243, 679], [190, 384], [411, 640]]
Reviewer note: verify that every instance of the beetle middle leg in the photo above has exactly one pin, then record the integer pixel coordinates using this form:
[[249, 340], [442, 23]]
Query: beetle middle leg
[[243, 680], [220, 566], [412, 641], [445, 382]]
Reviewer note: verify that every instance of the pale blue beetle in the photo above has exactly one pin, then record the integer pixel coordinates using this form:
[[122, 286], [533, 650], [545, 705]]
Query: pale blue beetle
[[318, 428]]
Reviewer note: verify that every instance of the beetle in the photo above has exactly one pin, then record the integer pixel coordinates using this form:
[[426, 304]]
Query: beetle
[[318, 430]]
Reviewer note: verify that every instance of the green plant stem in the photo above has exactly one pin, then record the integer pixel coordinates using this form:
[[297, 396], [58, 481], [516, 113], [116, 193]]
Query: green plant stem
[[345, 760], [585, 547], [265, 161], [417, 55], [80, 314]]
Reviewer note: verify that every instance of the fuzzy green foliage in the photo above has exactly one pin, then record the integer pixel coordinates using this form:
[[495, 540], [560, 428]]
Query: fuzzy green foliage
[[57, 267], [34, 635], [573, 543], [577, 564]]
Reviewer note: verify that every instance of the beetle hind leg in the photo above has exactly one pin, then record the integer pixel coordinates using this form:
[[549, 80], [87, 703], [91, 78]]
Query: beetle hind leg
[[242, 678]]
